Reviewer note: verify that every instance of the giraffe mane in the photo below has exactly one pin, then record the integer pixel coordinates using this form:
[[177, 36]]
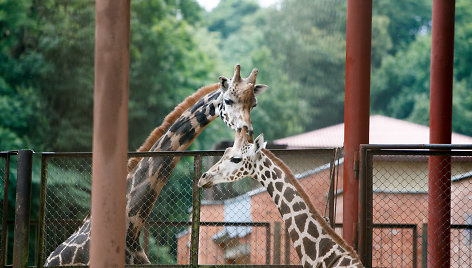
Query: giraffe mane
[[312, 209], [169, 120]]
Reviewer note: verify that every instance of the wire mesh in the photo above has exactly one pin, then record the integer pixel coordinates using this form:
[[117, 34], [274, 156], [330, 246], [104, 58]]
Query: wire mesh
[[67, 201], [393, 245], [247, 201], [402, 195], [239, 224], [173, 205]]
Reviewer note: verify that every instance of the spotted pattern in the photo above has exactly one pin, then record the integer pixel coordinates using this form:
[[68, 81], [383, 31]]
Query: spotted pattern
[[145, 181], [316, 243]]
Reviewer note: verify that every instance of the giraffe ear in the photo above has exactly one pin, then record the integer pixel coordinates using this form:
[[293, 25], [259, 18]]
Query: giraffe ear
[[224, 83], [259, 88], [259, 143]]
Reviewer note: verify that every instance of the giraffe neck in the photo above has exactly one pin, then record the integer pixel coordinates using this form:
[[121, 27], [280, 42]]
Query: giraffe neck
[[315, 241], [169, 120], [146, 180], [147, 177]]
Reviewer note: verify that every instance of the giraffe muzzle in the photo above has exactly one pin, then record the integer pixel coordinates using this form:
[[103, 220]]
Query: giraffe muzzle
[[205, 181]]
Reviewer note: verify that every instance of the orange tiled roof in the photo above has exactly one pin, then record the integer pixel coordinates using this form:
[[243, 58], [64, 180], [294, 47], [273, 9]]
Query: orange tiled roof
[[383, 130]]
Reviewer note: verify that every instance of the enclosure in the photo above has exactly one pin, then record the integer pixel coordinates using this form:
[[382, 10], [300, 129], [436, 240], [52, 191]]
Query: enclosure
[[238, 224], [325, 52]]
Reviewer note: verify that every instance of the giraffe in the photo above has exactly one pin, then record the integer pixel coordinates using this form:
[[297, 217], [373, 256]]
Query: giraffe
[[231, 99], [316, 243]]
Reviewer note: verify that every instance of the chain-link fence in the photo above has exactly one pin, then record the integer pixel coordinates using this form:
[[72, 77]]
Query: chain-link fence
[[234, 223], [237, 223], [407, 192]]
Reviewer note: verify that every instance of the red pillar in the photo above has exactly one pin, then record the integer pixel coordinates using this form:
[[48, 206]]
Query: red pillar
[[439, 196], [110, 133], [356, 109]]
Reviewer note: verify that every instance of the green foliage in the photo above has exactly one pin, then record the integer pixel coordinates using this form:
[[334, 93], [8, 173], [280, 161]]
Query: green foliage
[[400, 78], [66, 41], [463, 42], [18, 107], [462, 108], [400, 86], [19, 68], [227, 18], [307, 50], [300, 53], [46, 65], [166, 64], [406, 19], [381, 40]]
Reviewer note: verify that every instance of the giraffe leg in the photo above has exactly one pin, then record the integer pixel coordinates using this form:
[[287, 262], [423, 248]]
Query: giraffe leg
[[136, 257]]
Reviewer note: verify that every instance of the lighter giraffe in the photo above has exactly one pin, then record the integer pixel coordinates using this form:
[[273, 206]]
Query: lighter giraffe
[[231, 99], [316, 243]]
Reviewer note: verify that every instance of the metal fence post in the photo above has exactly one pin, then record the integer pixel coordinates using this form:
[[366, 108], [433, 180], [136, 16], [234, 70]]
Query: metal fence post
[[366, 214], [332, 175], [369, 208], [42, 210], [268, 234], [277, 241], [424, 246], [415, 246], [23, 206], [287, 246], [6, 179], [196, 203], [363, 203]]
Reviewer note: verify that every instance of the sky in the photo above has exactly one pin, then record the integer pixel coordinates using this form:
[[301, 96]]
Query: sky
[[210, 4]]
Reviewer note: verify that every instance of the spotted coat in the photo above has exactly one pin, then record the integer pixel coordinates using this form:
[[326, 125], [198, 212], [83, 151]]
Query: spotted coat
[[232, 100], [316, 243]]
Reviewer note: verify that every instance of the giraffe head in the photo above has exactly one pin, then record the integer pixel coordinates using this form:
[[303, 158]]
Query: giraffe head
[[238, 162], [239, 97]]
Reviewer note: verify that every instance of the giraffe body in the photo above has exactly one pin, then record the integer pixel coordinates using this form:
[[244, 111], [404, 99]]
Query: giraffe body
[[316, 243], [231, 99]]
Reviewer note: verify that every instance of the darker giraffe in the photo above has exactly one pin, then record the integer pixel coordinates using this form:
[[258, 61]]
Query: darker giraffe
[[231, 99], [316, 243]]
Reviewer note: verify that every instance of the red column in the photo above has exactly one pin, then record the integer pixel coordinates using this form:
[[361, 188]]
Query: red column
[[439, 196], [110, 133], [356, 109]]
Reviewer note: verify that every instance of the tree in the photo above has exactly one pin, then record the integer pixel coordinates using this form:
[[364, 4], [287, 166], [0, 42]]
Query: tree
[[167, 64], [306, 40], [462, 98], [227, 17], [400, 86], [20, 65], [401, 79], [406, 19], [66, 41], [381, 43]]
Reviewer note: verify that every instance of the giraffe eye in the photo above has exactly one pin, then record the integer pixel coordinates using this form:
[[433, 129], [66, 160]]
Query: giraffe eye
[[228, 101], [236, 159]]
